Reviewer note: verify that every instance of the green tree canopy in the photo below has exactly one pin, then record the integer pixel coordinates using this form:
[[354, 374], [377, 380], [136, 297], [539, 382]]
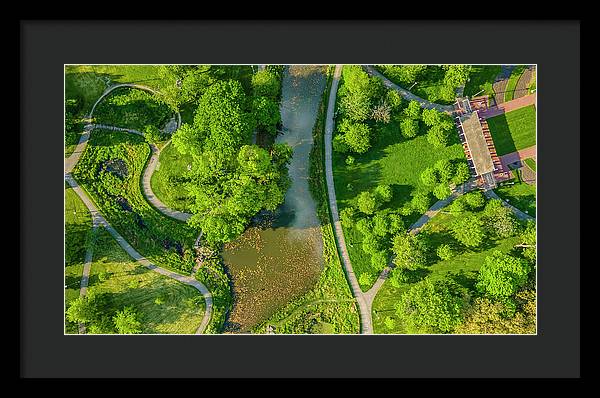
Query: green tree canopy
[[127, 322], [410, 250], [502, 275], [431, 307], [469, 230], [265, 84]]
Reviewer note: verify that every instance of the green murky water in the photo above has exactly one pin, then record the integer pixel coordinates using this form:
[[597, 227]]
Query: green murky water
[[281, 258]]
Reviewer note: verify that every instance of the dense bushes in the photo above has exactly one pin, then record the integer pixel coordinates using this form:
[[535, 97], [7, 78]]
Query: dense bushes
[[163, 240]]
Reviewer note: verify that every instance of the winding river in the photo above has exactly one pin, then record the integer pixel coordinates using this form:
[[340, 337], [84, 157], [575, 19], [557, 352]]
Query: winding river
[[280, 257]]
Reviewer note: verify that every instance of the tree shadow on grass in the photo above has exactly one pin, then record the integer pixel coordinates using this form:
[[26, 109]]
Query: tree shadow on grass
[[466, 279], [500, 131]]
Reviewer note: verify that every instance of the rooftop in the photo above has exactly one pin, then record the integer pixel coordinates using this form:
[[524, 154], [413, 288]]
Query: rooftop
[[478, 147]]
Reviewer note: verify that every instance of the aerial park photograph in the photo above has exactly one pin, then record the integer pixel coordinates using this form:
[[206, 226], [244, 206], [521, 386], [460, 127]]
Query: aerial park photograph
[[300, 199]]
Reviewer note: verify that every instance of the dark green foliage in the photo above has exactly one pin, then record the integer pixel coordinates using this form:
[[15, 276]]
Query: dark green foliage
[[528, 238], [339, 144], [461, 173], [430, 176], [132, 108], [153, 135], [420, 202]]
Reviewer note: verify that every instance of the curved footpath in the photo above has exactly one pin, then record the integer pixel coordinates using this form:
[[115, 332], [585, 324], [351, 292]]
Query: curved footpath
[[407, 94], [98, 219]]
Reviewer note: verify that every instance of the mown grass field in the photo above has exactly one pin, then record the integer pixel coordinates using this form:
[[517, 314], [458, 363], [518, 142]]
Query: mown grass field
[[328, 308], [169, 177], [462, 268], [481, 78], [512, 82], [514, 130], [392, 160], [78, 224], [531, 163], [520, 195], [164, 305]]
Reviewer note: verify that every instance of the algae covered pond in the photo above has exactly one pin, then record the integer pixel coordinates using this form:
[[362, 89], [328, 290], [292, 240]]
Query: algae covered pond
[[280, 257]]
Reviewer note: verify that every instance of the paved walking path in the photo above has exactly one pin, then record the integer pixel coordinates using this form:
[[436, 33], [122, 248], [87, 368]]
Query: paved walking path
[[407, 94], [149, 194], [188, 280], [99, 220], [415, 228], [529, 152], [366, 325], [509, 106]]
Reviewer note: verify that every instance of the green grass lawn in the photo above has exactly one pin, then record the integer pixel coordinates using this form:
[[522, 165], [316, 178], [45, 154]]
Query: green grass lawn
[[78, 223], [462, 268], [512, 82], [520, 195], [531, 163], [167, 180], [126, 283], [514, 130], [481, 78], [392, 160]]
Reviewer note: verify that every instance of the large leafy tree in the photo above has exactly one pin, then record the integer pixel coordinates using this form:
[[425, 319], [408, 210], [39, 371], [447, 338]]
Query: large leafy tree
[[358, 137], [431, 307], [488, 316], [502, 275], [359, 93], [266, 83], [127, 322], [266, 112], [499, 220], [183, 84], [410, 250], [469, 230]]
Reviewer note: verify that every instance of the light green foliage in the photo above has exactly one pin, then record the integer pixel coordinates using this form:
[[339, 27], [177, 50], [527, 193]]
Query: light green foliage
[[347, 216], [456, 75], [469, 230], [383, 193], [381, 224], [126, 321], [410, 251], [371, 243], [409, 127], [461, 173], [153, 135], [442, 191], [394, 99], [367, 202], [267, 114], [379, 260], [445, 251], [389, 323], [358, 137], [221, 122], [420, 202], [413, 110], [358, 94], [431, 307], [445, 170], [475, 200], [265, 84], [366, 279], [430, 176], [350, 160], [438, 136], [339, 144], [499, 220], [529, 237], [502, 275]]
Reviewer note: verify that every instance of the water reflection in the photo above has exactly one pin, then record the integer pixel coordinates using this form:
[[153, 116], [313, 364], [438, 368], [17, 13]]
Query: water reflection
[[281, 256]]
